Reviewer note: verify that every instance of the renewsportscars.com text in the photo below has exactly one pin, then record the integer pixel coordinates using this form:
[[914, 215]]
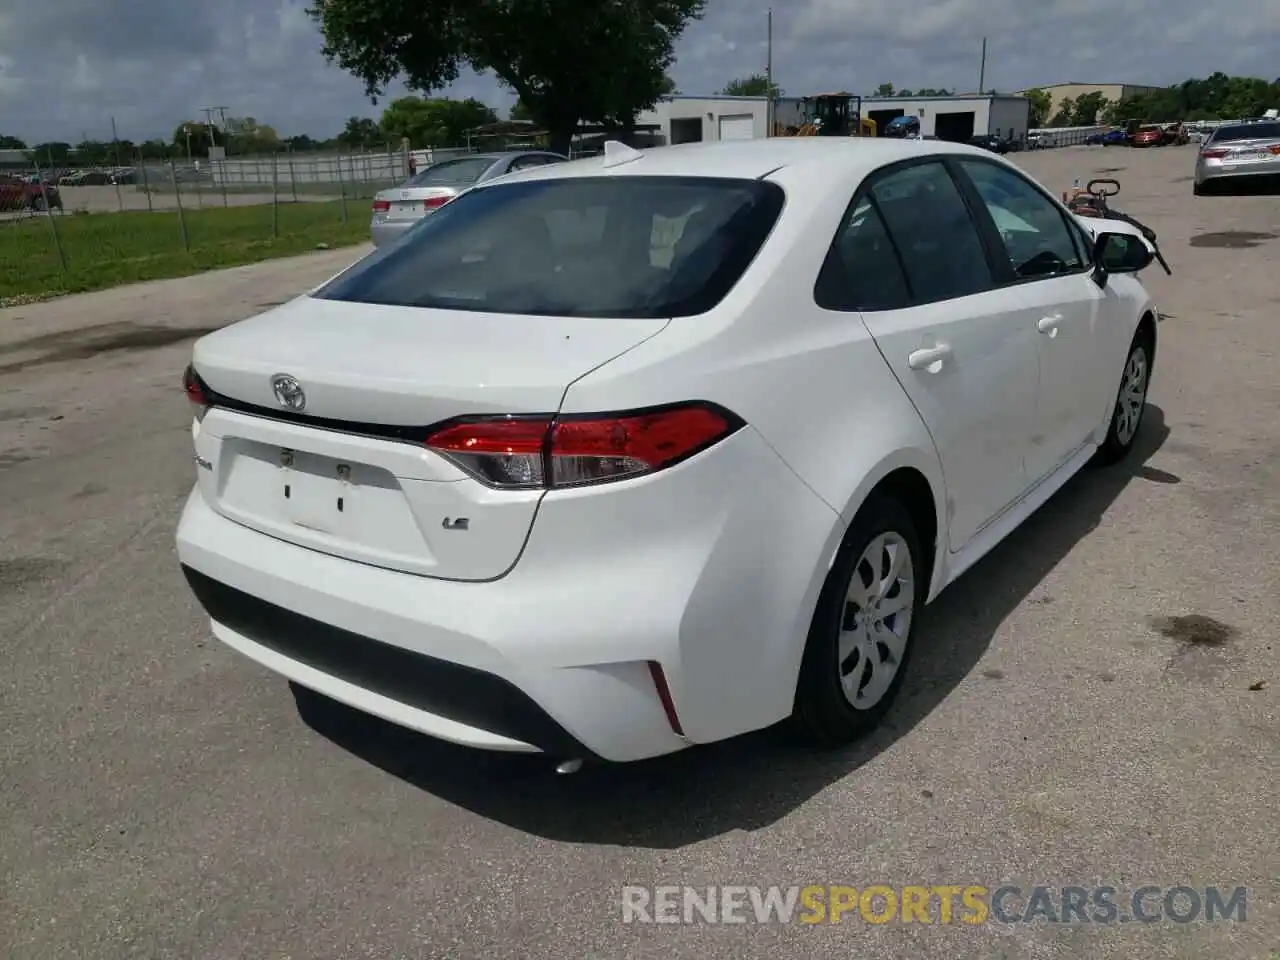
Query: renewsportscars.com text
[[970, 904]]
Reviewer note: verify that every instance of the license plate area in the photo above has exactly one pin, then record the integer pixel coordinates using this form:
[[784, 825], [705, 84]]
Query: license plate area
[[320, 493], [407, 209], [337, 505]]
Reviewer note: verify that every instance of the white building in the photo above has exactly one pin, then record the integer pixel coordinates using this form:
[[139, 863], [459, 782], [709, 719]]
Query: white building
[[683, 119], [947, 118]]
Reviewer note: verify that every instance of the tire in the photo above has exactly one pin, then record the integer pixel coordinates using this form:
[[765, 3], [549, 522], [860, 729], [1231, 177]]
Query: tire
[[1126, 417], [823, 712], [1198, 190]]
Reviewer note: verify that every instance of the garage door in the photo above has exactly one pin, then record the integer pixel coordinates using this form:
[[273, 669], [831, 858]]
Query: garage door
[[740, 127]]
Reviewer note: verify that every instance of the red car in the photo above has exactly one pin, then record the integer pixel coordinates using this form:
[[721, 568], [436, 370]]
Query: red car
[[1150, 136], [17, 193]]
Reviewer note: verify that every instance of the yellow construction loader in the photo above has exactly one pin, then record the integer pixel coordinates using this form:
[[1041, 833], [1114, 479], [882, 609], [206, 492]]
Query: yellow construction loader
[[832, 115]]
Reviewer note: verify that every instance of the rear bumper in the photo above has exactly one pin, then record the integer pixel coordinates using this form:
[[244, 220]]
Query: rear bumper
[[483, 709], [385, 231], [711, 577], [1237, 171]]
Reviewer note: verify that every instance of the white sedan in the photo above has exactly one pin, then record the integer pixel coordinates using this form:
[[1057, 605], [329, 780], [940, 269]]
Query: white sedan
[[621, 455]]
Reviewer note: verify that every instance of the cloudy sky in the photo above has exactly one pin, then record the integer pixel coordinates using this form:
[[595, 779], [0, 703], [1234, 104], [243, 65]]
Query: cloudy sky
[[68, 66]]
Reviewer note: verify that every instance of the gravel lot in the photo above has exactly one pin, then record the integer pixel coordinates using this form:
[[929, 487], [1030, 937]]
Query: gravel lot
[[1081, 711]]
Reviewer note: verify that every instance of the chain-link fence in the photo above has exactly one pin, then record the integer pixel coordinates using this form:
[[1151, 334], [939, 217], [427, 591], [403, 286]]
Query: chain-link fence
[[66, 228]]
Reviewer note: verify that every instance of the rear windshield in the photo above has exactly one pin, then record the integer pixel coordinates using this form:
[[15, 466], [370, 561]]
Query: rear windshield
[[467, 170], [583, 247], [1247, 131]]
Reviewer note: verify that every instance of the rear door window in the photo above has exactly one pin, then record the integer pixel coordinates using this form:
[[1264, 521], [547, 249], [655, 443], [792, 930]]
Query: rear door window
[[862, 270], [929, 223], [581, 246]]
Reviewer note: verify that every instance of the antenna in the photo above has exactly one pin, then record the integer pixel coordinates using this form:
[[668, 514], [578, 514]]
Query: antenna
[[617, 153]]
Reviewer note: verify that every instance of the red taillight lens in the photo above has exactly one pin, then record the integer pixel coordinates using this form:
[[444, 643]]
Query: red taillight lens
[[502, 451], [1214, 154], [1276, 149], [572, 451], [196, 392], [435, 203], [381, 206]]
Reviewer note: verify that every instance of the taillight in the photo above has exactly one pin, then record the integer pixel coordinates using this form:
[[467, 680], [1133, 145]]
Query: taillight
[[196, 392], [435, 203], [576, 450], [381, 206], [1214, 154], [1275, 148]]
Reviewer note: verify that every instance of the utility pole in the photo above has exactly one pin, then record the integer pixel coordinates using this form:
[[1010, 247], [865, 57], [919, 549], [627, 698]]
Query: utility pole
[[115, 141], [768, 73], [212, 116], [982, 70]]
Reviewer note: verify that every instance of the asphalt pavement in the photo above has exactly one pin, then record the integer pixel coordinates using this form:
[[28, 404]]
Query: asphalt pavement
[[1094, 704]]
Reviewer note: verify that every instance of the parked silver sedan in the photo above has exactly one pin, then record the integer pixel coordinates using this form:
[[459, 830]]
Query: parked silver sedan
[[1236, 151], [398, 209]]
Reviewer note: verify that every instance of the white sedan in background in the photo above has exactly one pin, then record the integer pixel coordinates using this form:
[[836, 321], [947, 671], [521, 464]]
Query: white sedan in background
[[621, 455], [399, 208]]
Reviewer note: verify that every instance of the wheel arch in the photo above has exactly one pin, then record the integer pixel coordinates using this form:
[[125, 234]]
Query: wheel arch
[[1147, 328], [915, 479]]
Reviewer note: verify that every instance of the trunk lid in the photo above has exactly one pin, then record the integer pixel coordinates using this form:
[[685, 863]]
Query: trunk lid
[[348, 474], [1263, 148], [411, 203]]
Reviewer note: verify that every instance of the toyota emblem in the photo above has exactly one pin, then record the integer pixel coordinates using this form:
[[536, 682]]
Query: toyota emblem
[[288, 391]]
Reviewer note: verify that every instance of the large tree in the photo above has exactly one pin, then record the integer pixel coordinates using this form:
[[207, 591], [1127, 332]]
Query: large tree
[[1216, 97], [1041, 102], [360, 132], [567, 61]]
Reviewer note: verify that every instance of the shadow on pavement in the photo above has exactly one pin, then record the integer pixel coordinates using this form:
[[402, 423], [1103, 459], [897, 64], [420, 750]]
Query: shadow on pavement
[[1254, 186], [752, 781]]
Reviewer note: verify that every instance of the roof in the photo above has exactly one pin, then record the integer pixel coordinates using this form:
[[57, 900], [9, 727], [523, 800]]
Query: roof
[[710, 96], [1079, 83], [755, 159], [954, 98]]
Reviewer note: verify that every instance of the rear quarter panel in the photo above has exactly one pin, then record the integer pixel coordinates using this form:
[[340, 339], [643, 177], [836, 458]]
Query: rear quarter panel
[[810, 381]]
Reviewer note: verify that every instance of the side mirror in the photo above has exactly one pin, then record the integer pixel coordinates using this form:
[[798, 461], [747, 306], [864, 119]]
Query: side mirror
[[1120, 253]]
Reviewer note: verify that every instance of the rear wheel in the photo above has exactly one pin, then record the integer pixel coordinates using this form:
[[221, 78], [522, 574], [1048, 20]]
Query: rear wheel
[[1198, 189], [860, 639], [1131, 402]]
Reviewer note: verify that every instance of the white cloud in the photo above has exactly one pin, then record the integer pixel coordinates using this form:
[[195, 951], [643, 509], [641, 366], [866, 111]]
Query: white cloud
[[68, 66]]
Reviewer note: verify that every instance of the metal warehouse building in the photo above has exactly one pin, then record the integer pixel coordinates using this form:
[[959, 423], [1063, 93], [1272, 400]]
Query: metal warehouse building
[[682, 119]]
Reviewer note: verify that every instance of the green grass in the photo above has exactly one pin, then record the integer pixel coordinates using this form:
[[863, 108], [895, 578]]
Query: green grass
[[109, 249]]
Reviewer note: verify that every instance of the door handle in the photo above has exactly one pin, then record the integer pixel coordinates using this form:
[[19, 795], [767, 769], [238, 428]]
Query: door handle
[[1049, 325], [929, 358]]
